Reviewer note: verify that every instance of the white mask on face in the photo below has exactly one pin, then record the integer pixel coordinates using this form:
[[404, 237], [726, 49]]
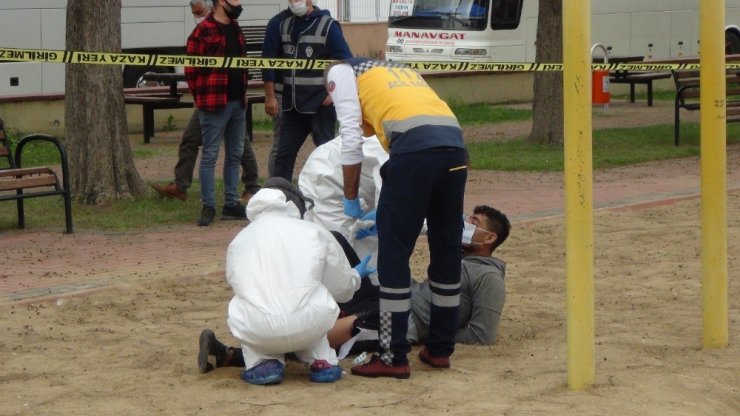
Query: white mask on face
[[468, 231], [299, 8], [199, 19]]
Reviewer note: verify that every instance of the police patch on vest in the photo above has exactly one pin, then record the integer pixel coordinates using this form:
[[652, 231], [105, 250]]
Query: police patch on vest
[[309, 51], [289, 49]]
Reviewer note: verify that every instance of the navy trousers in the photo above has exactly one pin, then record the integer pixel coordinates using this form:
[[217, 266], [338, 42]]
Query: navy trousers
[[426, 184]]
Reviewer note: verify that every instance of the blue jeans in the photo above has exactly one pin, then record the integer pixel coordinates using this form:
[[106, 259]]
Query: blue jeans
[[294, 128], [228, 123]]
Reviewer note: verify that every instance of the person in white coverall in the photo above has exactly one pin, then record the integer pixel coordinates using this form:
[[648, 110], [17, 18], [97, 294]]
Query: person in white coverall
[[321, 180], [287, 276]]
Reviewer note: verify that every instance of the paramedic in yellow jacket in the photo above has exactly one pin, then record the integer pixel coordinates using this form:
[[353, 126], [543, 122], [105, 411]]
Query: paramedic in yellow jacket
[[423, 178]]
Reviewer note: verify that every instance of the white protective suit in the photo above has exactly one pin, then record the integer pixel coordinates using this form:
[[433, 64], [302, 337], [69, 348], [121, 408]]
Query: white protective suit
[[287, 275], [321, 179]]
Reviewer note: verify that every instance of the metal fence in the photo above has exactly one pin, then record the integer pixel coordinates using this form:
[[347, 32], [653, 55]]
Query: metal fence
[[356, 10]]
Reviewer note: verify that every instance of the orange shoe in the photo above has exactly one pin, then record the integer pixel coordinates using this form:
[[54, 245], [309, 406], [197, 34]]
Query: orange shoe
[[377, 368], [170, 191], [436, 362]]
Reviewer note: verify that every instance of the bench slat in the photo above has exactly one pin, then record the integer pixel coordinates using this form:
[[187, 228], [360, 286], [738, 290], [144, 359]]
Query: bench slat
[[7, 184], [25, 171]]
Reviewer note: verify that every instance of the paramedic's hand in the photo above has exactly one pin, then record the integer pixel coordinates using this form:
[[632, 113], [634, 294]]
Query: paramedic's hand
[[370, 231], [352, 207], [363, 269]]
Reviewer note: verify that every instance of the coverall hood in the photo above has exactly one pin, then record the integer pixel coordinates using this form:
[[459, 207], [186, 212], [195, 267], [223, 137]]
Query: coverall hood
[[271, 201]]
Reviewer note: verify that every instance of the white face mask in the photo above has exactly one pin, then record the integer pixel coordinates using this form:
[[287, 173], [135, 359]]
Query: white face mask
[[299, 8], [468, 231], [199, 19]]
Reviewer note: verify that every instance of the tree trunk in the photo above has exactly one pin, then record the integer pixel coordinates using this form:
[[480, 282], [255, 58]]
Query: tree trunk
[[101, 162], [547, 108]]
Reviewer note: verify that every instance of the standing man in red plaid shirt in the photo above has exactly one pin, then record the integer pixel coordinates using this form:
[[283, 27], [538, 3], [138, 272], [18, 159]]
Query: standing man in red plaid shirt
[[219, 96]]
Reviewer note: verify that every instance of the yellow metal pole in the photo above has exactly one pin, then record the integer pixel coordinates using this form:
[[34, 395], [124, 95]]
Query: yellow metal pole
[[578, 192], [713, 174]]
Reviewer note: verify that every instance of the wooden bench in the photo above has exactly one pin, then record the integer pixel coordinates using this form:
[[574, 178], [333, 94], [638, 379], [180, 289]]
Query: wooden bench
[[687, 96], [151, 101], [638, 77], [18, 183]]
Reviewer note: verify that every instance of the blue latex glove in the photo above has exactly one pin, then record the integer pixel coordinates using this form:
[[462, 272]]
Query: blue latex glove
[[367, 232], [352, 207], [363, 270]]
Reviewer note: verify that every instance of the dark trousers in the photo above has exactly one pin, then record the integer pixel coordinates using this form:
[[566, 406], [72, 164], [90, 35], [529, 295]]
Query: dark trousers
[[294, 129], [427, 184], [192, 140]]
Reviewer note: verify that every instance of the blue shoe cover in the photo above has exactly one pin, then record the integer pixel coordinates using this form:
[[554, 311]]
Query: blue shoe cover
[[266, 373], [327, 375]]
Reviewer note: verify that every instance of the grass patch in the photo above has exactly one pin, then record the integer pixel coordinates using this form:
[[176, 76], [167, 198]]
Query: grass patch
[[611, 147], [151, 211], [262, 124], [467, 115], [39, 153], [640, 97], [477, 114]]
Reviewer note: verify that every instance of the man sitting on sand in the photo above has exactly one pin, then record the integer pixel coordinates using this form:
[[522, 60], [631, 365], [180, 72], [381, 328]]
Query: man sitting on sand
[[482, 292]]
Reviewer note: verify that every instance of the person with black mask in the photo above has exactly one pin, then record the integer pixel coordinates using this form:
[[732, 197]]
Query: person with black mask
[[219, 94], [192, 139]]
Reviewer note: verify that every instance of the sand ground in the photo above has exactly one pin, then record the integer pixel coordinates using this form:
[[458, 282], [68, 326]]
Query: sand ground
[[130, 348]]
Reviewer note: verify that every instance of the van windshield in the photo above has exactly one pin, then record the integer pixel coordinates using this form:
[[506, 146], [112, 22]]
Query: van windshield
[[439, 14]]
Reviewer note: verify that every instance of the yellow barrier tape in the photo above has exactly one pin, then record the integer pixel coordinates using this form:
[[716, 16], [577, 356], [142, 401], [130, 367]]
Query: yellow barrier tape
[[112, 58]]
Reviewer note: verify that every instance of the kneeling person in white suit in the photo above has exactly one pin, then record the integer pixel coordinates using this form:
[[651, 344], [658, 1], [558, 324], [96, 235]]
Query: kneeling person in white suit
[[287, 276]]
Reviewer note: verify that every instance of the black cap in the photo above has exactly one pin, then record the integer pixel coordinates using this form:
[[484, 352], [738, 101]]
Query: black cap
[[292, 193]]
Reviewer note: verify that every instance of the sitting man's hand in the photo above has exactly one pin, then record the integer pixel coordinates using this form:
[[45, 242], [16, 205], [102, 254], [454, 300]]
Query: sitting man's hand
[[370, 231], [363, 269], [352, 207]]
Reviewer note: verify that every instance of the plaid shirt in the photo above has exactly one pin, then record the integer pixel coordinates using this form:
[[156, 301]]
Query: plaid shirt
[[209, 85]]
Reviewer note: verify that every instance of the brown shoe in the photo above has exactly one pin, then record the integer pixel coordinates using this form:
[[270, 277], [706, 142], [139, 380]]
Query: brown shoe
[[436, 362], [170, 191], [246, 196], [377, 368]]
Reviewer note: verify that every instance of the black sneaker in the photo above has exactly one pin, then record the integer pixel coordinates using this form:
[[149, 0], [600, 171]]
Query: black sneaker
[[206, 216], [234, 212], [209, 345]]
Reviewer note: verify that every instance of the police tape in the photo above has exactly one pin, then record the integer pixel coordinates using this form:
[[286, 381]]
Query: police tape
[[136, 59]]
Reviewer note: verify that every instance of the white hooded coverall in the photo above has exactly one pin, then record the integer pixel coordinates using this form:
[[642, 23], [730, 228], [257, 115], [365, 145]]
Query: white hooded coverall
[[321, 179], [287, 276]]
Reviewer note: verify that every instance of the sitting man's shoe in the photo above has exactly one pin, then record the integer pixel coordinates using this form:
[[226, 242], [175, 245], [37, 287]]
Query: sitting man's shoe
[[436, 362], [265, 373], [246, 196], [170, 191], [210, 346], [323, 372], [377, 368], [206, 216], [234, 212]]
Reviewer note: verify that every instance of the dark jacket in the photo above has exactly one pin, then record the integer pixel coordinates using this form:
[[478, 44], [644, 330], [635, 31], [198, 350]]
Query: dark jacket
[[315, 36]]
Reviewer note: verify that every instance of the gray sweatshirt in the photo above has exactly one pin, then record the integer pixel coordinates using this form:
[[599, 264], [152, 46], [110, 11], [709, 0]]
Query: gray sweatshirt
[[482, 295]]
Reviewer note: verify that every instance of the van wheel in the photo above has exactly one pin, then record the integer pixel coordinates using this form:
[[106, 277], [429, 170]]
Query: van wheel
[[732, 43]]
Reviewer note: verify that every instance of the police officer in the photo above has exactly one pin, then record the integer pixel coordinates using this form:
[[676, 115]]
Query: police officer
[[309, 33]]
